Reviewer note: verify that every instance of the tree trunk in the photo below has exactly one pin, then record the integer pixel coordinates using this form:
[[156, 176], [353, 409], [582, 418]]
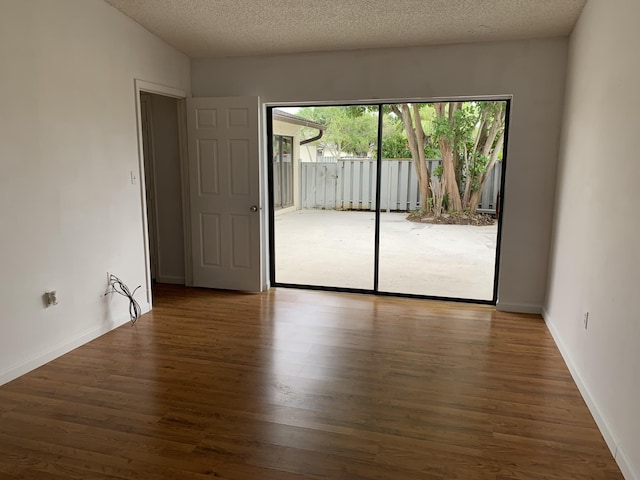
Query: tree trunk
[[425, 186], [476, 194], [467, 183], [449, 176], [448, 163], [474, 200], [457, 169], [484, 146], [491, 136], [415, 136]]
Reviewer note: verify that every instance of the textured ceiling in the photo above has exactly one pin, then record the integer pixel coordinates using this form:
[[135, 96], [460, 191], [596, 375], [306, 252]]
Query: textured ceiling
[[214, 28]]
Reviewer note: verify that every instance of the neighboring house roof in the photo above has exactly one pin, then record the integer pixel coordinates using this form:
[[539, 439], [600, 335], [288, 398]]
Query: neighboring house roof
[[283, 116]]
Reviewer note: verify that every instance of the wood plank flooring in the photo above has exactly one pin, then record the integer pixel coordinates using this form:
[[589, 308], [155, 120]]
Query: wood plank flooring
[[293, 384]]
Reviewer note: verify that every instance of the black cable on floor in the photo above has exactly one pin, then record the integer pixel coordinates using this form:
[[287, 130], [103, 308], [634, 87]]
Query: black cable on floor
[[119, 287]]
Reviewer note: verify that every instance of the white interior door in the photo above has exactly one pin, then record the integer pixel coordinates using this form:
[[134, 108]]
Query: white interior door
[[224, 186]]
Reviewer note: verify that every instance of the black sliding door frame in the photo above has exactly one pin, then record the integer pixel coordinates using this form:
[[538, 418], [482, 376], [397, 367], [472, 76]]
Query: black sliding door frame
[[376, 272]]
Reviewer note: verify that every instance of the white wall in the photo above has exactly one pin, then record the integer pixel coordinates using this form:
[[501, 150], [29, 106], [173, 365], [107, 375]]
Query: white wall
[[68, 142], [595, 262], [532, 71], [168, 189]]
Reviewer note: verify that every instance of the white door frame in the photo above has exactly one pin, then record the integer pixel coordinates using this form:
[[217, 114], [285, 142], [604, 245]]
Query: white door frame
[[181, 95]]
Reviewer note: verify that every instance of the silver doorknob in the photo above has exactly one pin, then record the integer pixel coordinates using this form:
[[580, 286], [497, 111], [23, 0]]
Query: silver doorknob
[[254, 208]]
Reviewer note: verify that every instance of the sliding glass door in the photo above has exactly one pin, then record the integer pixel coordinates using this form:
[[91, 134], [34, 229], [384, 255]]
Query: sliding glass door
[[324, 242], [393, 198]]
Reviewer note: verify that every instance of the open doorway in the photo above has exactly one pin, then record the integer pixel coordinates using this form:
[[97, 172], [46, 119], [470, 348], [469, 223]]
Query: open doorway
[[163, 187], [201, 200], [399, 198]]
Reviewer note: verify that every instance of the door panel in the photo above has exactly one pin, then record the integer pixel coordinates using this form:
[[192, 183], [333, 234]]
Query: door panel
[[224, 186], [208, 167], [210, 239]]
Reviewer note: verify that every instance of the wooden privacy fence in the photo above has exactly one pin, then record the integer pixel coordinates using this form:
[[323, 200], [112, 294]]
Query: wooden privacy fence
[[349, 184]]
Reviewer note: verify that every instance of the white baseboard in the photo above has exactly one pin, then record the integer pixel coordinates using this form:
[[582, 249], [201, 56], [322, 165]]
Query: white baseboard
[[56, 351], [625, 464], [518, 308], [170, 279]]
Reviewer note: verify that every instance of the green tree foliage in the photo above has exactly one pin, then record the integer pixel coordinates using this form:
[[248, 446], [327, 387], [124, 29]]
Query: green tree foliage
[[470, 136], [353, 135], [467, 136], [395, 146], [395, 143]]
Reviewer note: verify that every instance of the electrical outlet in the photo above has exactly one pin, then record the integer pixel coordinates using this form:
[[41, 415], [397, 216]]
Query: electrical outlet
[[50, 298], [586, 320]]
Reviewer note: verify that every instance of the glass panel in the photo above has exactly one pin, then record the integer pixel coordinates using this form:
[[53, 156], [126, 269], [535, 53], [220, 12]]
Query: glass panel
[[438, 229], [329, 239]]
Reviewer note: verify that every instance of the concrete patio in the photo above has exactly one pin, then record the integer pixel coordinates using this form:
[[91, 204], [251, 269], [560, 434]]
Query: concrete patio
[[335, 248]]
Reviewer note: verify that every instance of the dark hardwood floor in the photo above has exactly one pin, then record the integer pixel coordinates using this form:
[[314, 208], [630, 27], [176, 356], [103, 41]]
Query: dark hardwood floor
[[294, 384]]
